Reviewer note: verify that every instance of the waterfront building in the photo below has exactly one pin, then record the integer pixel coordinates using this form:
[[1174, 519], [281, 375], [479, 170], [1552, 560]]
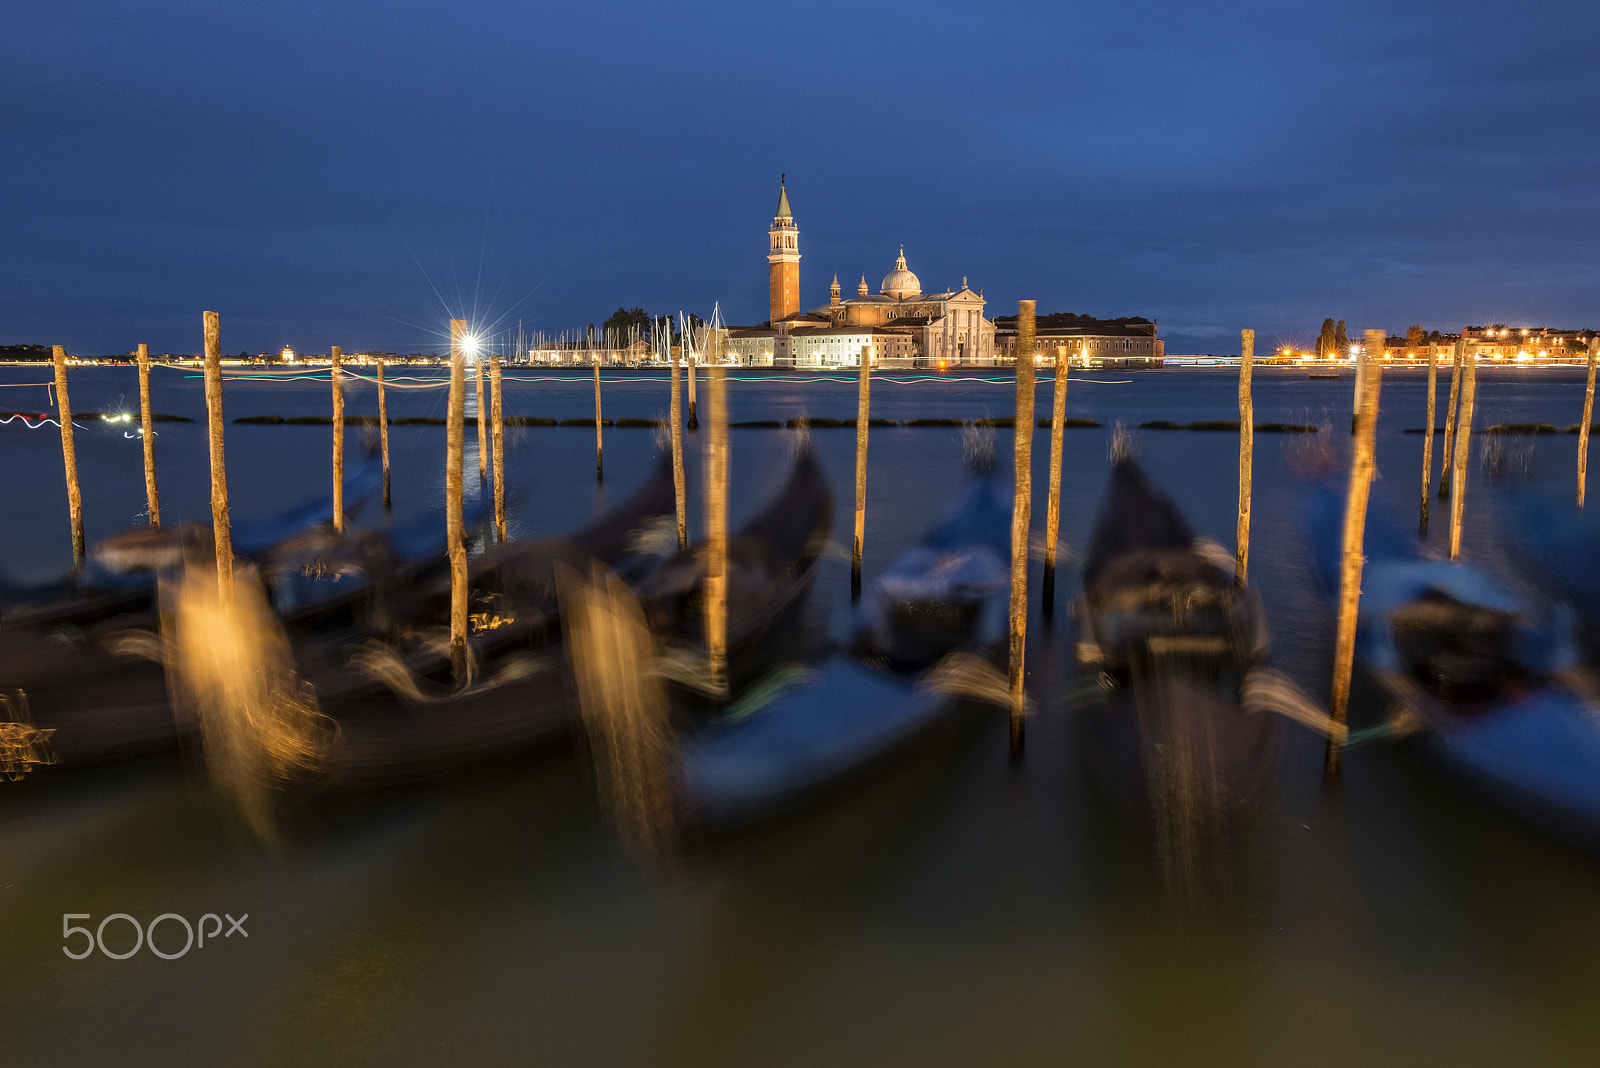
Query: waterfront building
[[1499, 343], [899, 325], [580, 353], [1090, 342]]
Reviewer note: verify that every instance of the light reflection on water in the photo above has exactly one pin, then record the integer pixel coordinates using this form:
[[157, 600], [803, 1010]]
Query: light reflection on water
[[955, 910]]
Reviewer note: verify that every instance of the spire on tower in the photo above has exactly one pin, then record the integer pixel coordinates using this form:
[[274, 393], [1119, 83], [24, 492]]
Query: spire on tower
[[783, 198], [863, 290]]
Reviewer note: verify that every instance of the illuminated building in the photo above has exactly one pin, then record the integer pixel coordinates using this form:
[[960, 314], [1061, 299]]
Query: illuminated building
[[1094, 342], [899, 323]]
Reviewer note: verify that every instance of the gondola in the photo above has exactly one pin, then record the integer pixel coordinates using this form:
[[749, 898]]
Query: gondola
[[871, 698], [1170, 640], [1490, 680], [522, 697], [120, 576], [772, 563], [100, 701], [1560, 550]]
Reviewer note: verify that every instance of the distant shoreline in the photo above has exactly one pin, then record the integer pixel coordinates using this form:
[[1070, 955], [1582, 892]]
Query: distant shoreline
[[1178, 364]]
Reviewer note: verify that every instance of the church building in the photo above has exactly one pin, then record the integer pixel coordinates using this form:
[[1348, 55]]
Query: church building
[[899, 325]]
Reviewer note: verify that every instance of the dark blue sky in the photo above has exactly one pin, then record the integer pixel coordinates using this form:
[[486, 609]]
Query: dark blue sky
[[354, 173]]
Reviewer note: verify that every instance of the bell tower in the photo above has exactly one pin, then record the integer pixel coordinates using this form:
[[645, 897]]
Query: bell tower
[[783, 259]]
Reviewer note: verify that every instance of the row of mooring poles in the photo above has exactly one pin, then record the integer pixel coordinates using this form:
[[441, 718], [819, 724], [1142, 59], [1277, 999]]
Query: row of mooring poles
[[215, 423], [219, 487]]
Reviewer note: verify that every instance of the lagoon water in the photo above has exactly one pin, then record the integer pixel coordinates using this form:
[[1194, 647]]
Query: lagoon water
[[955, 909]]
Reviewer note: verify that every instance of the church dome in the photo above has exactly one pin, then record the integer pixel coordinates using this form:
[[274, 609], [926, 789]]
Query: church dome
[[901, 283]]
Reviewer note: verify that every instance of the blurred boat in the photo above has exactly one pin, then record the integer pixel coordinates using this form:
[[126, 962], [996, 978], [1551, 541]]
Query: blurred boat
[[873, 699], [772, 563], [1173, 643], [120, 576], [100, 692], [1490, 678], [411, 723], [1560, 550]]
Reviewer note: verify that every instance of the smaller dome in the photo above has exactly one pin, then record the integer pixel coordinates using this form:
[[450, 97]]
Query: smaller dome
[[901, 283]]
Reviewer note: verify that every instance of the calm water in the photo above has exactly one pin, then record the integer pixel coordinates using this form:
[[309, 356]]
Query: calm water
[[954, 910]]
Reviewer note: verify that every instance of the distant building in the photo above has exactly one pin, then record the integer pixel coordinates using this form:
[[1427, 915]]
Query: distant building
[[580, 353], [1127, 342], [1500, 343], [898, 325]]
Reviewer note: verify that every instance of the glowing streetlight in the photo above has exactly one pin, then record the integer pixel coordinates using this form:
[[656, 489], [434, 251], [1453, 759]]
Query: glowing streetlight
[[469, 345]]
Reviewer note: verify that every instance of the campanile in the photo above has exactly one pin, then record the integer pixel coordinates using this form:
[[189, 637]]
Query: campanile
[[783, 259]]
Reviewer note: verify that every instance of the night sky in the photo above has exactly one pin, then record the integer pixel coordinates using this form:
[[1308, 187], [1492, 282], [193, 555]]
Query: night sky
[[357, 173]]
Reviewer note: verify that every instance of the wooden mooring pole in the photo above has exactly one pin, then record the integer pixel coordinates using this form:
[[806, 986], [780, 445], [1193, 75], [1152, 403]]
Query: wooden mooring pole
[[1448, 458], [1588, 417], [69, 453], [1247, 442], [482, 417], [455, 534], [717, 532], [863, 414], [497, 422], [336, 375], [599, 441], [1021, 519], [688, 354], [1360, 392], [675, 418], [1427, 434], [1052, 515], [147, 439], [1463, 456], [383, 433], [219, 468], [1355, 527], [147, 435]]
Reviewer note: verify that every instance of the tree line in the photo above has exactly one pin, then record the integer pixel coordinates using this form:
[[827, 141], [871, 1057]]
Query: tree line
[[642, 324]]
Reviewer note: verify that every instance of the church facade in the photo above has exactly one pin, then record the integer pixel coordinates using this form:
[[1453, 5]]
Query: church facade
[[899, 325]]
